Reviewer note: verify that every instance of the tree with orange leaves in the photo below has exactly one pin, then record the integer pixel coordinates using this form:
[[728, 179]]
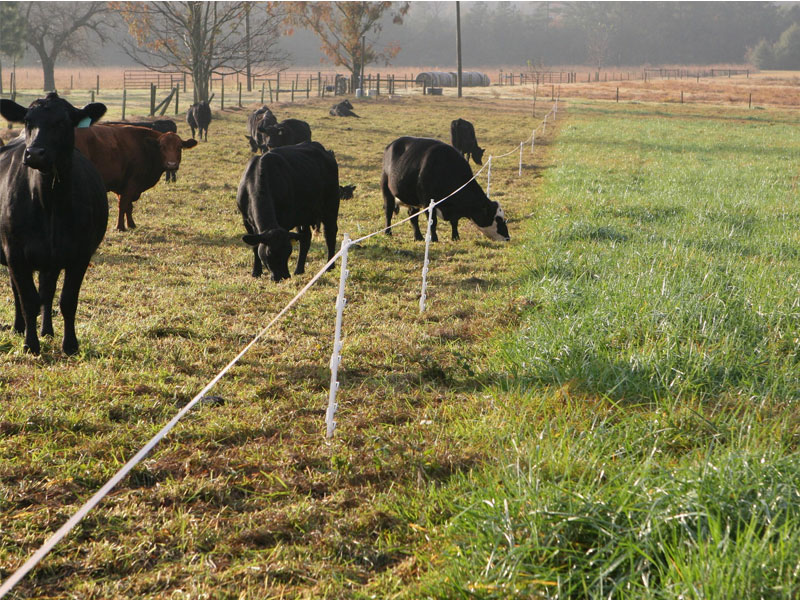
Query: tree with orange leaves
[[340, 26], [203, 38]]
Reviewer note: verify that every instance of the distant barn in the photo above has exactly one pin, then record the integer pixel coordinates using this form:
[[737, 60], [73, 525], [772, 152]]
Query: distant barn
[[450, 79]]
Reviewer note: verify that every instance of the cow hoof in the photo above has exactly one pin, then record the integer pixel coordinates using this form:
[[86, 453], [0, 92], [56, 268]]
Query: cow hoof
[[70, 348], [32, 348]]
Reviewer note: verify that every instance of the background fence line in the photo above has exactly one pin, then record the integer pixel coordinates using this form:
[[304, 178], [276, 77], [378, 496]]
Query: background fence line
[[78, 516]]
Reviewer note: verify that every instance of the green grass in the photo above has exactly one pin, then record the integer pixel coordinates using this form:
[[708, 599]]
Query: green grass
[[645, 437], [604, 407]]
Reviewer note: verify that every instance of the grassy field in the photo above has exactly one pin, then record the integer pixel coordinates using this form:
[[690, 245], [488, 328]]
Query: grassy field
[[603, 407]]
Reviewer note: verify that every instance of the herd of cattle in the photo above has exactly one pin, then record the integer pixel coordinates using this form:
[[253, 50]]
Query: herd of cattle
[[54, 209]]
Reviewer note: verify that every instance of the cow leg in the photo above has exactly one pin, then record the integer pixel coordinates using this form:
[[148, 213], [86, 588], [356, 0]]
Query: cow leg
[[305, 244], [73, 278], [331, 229], [454, 227], [435, 217], [121, 213], [19, 319], [47, 289], [388, 202], [415, 224], [29, 300], [130, 198]]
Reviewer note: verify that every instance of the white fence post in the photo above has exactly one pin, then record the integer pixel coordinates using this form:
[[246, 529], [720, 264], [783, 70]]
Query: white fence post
[[336, 355], [533, 140], [520, 158], [489, 178], [425, 263]]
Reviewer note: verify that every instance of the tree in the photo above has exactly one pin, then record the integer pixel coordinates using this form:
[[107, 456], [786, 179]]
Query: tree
[[202, 38], [54, 29], [342, 27], [12, 34]]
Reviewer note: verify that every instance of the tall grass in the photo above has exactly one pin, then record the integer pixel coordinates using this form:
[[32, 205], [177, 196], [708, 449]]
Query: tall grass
[[646, 434]]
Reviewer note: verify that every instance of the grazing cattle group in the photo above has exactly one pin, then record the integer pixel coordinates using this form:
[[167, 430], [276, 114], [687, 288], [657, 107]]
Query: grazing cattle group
[[54, 178]]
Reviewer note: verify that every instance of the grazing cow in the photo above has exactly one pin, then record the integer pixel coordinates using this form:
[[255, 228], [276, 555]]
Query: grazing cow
[[286, 133], [162, 125], [416, 170], [343, 109], [293, 186], [462, 137], [257, 122], [199, 117], [346, 191], [131, 160], [53, 213]]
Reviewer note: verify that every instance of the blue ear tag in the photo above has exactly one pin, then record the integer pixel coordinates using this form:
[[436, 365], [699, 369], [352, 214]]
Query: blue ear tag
[[84, 122]]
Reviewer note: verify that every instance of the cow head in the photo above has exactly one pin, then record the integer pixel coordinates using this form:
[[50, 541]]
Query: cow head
[[496, 226], [170, 147], [346, 191], [49, 129], [477, 155], [275, 136], [274, 249]]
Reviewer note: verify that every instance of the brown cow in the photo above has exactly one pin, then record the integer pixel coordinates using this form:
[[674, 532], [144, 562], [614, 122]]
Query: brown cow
[[130, 160]]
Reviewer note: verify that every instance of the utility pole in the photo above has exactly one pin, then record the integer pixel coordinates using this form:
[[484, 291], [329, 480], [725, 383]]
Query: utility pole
[[458, 42]]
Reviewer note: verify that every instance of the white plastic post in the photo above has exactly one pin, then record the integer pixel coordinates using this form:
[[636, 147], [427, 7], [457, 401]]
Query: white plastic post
[[336, 355], [489, 178], [425, 263], [533, 140], [520, 158]]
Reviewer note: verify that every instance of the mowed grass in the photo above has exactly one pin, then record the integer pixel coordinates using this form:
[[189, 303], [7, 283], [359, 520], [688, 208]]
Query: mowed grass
[[644, 439], [246, 498]]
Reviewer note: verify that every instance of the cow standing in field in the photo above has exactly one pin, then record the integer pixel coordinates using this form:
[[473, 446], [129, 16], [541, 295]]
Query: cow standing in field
[[130, 160], [290, 187], [287, 133], [416, 170], [53, 213], [257, 122], [462, 138], [199, 118]]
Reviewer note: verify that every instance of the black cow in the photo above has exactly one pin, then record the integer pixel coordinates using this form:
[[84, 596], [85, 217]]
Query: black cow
[[343, 109], [416, 170], [199, 117], [462, 137], [286, 133], [53, 213], [346, 191], [160, 125], [257, 122], [293, 186]]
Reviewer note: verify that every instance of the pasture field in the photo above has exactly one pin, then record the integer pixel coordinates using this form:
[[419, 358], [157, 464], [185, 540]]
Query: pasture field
[[604, 407], [246, 498]]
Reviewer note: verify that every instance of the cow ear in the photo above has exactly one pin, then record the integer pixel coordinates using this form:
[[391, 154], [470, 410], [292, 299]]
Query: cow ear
[[93, 110], [254, 239], [190, 143], [11, 111]]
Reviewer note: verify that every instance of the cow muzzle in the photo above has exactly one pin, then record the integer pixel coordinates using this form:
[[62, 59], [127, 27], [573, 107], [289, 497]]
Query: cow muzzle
[[36, 158]]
